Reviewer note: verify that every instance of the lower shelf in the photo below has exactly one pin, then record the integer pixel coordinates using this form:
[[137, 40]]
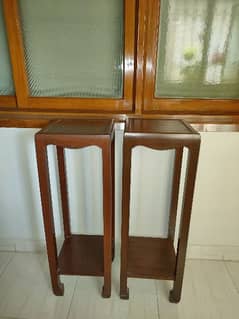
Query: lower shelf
[[82, 255], [151, 258]]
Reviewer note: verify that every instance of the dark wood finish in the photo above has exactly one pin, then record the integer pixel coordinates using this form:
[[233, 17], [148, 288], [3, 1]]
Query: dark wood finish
[[45, 189], [175, 294], [77, 134], [82, 255], [151, 104], [148, 257], [113, 196], [124, 291], [175, 192], [151, 258], [64, 190], [141, 29], [25, 101], [39, 119]]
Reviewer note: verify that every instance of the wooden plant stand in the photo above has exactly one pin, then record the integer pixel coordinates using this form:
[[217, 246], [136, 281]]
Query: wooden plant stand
[[80, 254], [145, 257]]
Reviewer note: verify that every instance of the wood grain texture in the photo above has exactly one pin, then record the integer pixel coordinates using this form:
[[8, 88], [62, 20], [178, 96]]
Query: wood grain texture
[[8, 102], [82, 255], [151, 258]]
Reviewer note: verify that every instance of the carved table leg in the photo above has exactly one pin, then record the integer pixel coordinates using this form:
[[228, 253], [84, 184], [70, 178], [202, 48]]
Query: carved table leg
[[64, 191], [107, 207], [175, 293], [42, 161], [124, 292], [113, 197]]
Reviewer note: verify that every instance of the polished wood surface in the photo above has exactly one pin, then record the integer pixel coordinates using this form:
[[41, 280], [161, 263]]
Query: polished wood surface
[[78, 251], [79, 127], [82, 255], [64, 190], [8, 102], [39, 119], [154, 258], [141, 126]]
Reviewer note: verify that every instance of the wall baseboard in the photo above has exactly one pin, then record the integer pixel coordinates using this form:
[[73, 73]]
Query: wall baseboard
[[213, 252], [194, 251], [22, 245]]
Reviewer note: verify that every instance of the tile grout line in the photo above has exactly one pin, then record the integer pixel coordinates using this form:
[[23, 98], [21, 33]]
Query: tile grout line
[[157, 298], [8, 263], [231, 277], [68, 313]]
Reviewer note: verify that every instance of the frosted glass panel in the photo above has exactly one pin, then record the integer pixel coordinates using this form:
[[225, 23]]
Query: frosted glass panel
[[6, 82], [198, 49], [73, 48]]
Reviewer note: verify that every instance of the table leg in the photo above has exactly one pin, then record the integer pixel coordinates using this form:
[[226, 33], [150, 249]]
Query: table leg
[[175, 293], [113, 197], [44, 181], [64, 191], [107, 207], [124, 292], [175, 192]]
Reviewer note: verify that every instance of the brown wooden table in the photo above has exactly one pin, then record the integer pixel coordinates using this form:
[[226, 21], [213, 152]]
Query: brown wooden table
[[145, 257], [80, 254]]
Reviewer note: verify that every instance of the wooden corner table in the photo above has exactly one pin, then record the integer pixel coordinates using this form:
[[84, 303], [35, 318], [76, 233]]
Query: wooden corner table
[[155, 258], [89, 255]]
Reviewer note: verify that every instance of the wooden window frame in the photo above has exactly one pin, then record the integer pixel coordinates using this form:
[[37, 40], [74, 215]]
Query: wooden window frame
[[7, 101], [65, 104], [148, 49]]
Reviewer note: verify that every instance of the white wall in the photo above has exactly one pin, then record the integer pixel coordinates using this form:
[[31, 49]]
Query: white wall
[[215, 220]]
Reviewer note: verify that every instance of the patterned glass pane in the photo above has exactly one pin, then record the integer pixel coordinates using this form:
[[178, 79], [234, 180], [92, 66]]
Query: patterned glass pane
[[6, 82], [73, 48], [198, 49]]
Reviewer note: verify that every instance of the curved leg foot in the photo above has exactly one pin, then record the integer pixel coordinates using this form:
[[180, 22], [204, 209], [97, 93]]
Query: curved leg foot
[[124, 294], [59, 289], [105, 294], [173, 298], [113, 254]]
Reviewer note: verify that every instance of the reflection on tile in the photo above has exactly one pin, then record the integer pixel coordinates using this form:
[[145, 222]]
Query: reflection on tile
[[25, 290]]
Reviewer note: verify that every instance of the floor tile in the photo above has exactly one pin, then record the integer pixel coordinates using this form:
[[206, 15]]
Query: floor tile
[[25, 290], [233, 269], [5, 258], [208, 293], [88, 303]]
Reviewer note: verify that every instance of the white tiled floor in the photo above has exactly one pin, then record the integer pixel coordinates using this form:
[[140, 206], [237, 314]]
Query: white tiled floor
[[211, 290]]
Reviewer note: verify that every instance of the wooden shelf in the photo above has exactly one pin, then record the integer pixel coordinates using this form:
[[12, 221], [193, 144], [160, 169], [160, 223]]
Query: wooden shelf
[[152, 258], [82, 255]]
